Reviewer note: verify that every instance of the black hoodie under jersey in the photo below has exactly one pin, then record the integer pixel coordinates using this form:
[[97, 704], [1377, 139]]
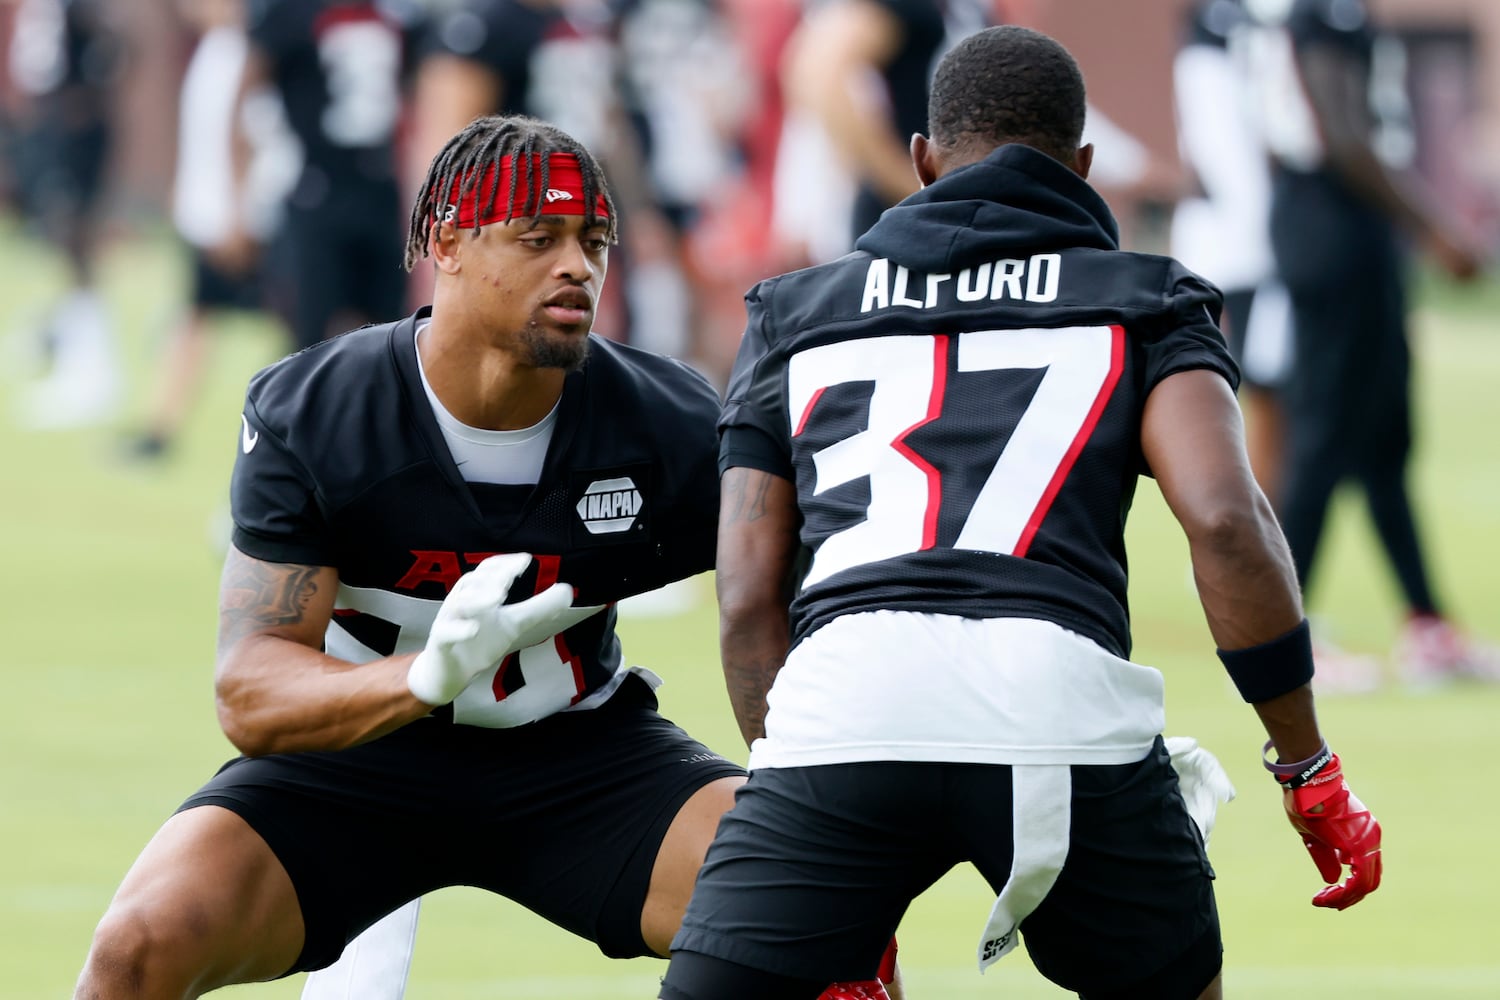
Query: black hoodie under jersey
[[959, 401]]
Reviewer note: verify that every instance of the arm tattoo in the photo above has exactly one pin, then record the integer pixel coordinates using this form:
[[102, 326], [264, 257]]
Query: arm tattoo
[[748, 683], [256, 596], [746, 491]]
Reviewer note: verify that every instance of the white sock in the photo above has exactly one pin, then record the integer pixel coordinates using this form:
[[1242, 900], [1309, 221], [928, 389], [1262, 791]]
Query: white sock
[[374, 966]]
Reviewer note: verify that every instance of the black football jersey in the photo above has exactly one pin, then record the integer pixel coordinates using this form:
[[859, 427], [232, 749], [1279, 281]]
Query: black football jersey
[[338, 65], [1315, 201], [1344, 24], [501, 35], [342, 464], [959, 401]]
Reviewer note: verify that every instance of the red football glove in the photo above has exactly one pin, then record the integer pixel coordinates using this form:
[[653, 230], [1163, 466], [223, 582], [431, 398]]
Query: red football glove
[[1337, 830], [870, 989]]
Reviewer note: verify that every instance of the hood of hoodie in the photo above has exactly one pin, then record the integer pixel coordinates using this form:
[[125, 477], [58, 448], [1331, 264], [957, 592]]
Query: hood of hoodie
[[1015, 202]]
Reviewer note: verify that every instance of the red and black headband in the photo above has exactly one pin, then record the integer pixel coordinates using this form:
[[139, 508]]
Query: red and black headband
[[562, 194]]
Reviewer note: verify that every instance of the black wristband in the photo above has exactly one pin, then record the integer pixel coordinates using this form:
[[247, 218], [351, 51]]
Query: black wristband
[[1273, 668]]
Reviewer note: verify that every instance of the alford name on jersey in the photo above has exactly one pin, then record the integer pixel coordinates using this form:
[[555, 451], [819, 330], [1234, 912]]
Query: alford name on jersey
[[1034, 279]]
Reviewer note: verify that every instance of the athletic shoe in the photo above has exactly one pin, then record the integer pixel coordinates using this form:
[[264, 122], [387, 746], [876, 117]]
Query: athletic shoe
[[1338, 671], [145, 447], [871, 989], [1431, 652], [64, 401]]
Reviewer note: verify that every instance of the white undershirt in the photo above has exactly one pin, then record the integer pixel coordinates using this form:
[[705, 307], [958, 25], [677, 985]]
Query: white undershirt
[[913, 686], [485, 456]]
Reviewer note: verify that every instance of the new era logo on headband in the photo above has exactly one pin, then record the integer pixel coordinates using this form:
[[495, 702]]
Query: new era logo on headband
[[512, 188]]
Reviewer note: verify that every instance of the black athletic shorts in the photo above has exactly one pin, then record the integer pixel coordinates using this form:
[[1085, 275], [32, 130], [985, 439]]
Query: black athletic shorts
[[60, 166], [345, 260], [814, 867], [564, 816], [214, 288]]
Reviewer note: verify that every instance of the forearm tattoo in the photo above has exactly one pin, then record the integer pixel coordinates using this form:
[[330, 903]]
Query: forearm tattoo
[[745, 493], [255, 596], [748, 683]]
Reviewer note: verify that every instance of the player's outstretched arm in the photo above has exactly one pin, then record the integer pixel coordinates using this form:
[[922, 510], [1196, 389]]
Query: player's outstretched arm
[[275, 689], [1193, 438], [757, 551]]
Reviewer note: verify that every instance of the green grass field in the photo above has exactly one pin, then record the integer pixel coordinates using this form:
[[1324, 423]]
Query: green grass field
[[107, 581]]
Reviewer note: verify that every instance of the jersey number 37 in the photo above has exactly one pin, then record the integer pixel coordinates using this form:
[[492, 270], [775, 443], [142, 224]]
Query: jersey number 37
[[1080, 366]]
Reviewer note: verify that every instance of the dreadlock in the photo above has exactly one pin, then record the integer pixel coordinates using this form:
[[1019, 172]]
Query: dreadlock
[[485, 141]]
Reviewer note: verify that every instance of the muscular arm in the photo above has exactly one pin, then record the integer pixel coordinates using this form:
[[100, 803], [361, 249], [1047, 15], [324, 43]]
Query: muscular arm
[[1336, 88], [275, 690], [756, 551], [829, 69], [1193, 438]]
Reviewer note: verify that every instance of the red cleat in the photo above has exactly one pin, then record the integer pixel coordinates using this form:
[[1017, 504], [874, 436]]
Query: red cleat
[[871, 989]]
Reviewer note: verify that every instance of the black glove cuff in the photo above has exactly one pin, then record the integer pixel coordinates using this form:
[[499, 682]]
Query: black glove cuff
[[1273, 668]]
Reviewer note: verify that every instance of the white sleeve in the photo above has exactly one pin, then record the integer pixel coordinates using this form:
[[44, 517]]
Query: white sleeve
[[374, 966]]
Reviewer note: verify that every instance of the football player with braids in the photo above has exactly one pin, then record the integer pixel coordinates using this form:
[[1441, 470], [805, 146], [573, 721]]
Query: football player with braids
[[417, 657], [930, 447]]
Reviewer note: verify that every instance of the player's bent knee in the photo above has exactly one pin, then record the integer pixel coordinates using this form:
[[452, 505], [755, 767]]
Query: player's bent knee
[[134, 954]]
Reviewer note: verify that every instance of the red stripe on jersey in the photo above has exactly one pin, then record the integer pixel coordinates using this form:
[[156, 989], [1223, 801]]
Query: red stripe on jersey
[[807, 410], [566, 656], [546, 575], [346, 14], [934, 408], [546, 571], [1116, 366], [497, 686]]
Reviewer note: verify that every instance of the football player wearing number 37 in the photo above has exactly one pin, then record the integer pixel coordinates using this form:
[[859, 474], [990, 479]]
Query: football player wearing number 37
[[929, 450], [417, 657]]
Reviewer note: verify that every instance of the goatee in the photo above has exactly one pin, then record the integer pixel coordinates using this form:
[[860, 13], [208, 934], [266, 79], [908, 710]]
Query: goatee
[[554, 350]]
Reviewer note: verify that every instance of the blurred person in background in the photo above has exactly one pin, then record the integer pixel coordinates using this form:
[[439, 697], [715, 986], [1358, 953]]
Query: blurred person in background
[[1222, 229], [67, 58], [339, 68], [203, 200], [858, 70], [855, 75], [1344, 204]]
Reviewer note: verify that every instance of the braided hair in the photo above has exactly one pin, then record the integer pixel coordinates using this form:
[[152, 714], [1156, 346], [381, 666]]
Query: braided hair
[[465, 159]]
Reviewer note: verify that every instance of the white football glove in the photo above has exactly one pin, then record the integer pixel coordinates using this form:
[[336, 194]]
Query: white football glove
[[1205, 785], [475, 628]]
